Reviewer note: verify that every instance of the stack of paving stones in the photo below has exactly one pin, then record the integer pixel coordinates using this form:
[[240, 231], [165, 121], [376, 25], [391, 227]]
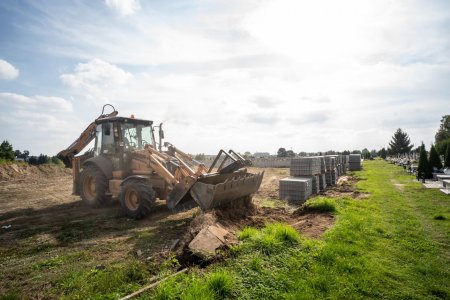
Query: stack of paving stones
[[345, 163], [305, 166], [304, 179], [322, 176], [331, 173], [295, 189], [354, 162]]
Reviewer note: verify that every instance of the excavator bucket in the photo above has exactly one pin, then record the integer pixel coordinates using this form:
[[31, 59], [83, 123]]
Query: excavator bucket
[[226, 181], [219, 190]]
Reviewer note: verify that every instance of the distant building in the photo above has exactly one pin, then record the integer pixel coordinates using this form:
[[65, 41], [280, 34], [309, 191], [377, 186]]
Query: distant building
[[261, 154]]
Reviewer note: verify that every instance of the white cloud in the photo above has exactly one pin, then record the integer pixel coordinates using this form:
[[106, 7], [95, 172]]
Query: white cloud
[[124, 7], [7, 71], [311, 75], [96, 72], [35, 103]]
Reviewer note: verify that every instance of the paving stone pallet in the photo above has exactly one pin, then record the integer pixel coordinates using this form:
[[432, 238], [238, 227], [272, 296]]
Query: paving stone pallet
[[305, 166], [295, 189]]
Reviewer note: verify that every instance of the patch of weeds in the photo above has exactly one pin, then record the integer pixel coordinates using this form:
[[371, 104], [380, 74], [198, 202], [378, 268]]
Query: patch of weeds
[[439, 217], [111, 282], [135, 272], [74, 232], [267, 243], [320, 205], [247, 233], [50, 263], [197, 290], [166, 291], [439, 292], [38, 249], [11, 295], [170, 263], [256, 263], [283, 232], [269, 239], [220, 283]]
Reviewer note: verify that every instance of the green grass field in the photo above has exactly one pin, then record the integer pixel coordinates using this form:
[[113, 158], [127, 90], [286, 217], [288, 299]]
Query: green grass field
[[394, 245]]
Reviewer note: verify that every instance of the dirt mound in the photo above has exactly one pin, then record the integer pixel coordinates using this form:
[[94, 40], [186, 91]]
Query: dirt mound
[[11, 171], [345, 186], [233, 219]]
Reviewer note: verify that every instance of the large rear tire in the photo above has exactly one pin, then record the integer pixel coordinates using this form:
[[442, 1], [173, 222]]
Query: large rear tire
[[93, 185], [137, 198]]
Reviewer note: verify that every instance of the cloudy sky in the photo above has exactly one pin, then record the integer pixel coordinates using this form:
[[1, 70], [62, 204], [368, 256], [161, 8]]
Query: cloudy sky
[[248, 75]]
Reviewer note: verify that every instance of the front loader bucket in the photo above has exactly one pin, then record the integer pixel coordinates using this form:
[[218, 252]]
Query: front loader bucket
[[219, 190]]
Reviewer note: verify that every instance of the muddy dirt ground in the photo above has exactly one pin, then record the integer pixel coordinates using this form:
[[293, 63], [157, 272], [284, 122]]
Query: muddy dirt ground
[[40, 219]]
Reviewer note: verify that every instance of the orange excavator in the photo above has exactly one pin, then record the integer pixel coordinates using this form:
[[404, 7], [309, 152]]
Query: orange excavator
[[128, 164]]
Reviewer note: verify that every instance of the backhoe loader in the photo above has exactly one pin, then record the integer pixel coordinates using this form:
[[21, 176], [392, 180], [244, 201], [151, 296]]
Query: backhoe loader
[[128, 164]]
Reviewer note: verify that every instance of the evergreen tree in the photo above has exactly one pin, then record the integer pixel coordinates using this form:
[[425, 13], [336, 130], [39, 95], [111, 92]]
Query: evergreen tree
[[447, 157], [6, 151], [400, 143], [435, 161], [444, 129], [382, 153], [424, 168]]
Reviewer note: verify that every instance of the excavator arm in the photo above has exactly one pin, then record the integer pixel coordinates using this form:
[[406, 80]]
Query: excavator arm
[[85, 138], [78, 145]]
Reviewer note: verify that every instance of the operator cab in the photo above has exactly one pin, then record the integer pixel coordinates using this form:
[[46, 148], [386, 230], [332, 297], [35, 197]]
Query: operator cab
[[118, 134]]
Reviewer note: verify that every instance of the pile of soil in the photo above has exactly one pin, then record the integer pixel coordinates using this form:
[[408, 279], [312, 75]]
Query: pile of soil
[[11, 171], [345, 186], [246, 213]]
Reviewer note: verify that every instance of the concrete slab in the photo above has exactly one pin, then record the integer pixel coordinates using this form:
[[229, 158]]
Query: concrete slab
[[430, 184], [208, 240], [445, 191]]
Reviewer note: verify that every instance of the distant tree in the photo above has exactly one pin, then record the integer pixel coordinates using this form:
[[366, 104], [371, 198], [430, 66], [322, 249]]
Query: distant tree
[[42, 159], [33, 160], [282, 152], [25, 155], [302, 153], [356, 152], [199, 157], [444, 129], [435, 161], [6, 151], [382, 153], [247, 154], [365, 153], [290, 153], [346, 152], [424, 168], [17, 154], [441, 146], [330, 152], [447, 157], [416, 150], [400, 143]]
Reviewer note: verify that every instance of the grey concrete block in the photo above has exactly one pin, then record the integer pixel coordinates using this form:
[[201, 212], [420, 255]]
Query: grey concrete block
[[295, 189], [305, 166]]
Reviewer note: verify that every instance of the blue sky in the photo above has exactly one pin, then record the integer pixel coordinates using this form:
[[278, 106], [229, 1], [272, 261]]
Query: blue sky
[[248, 75]]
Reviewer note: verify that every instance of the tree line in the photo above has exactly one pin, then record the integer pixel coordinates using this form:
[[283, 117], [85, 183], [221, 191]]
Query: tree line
[[429, 161], [7, 153]]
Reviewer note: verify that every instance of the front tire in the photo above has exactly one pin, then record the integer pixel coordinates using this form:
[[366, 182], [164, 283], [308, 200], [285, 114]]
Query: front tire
[[93, 185], [137, 198]]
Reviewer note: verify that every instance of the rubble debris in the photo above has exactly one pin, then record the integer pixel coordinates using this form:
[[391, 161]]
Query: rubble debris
[[208, 240]]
